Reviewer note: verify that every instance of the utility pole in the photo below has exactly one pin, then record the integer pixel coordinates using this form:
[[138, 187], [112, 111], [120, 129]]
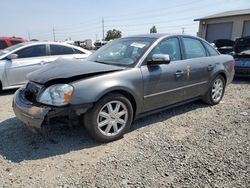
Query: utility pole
[[54, 35], [103, 29], [29, 36], [183, 30]]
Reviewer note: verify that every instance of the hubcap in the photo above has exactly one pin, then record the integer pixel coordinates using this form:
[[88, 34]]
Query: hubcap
[[217, 90], [112, 118]]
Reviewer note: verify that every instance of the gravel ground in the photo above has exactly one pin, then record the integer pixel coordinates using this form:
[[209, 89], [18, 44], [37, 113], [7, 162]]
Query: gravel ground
[[194, 145]]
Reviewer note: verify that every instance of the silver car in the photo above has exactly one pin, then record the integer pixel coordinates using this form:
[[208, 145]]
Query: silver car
[[126, 79], [19, 60]]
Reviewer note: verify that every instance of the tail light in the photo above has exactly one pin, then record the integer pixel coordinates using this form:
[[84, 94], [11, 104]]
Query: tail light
[[234, 64]]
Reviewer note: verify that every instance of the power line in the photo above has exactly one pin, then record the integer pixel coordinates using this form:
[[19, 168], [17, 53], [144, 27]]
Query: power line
[[54, 35], [153, 15], [152, 10]]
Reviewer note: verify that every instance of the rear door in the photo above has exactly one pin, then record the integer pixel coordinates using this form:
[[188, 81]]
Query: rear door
[[57, 51], [29, 59], [199, 66]]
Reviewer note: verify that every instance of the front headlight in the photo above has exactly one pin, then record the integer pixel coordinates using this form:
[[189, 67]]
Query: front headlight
[[57, 95]]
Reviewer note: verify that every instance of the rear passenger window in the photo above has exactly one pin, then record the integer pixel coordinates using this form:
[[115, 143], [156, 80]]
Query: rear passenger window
[[13, 42], [78, 51], [193, 48], [3, 44], [210, 49], [32, 51], [60, 50]]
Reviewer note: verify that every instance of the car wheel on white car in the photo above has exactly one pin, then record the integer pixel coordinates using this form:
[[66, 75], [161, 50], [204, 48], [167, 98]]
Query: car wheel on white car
[[110, 118]]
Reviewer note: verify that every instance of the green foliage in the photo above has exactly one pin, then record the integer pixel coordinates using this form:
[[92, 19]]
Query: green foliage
[[153, 30], [113, 34]]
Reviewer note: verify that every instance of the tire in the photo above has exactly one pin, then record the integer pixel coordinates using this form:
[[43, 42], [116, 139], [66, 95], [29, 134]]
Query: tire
[[110, 118], [210, 97]]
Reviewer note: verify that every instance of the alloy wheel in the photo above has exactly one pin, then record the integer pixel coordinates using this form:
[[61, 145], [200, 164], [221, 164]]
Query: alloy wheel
[[112, 118], [217, 90]]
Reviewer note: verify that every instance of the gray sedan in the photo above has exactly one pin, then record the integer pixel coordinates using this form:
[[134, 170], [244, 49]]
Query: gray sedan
[[19, 60], [126, 79]]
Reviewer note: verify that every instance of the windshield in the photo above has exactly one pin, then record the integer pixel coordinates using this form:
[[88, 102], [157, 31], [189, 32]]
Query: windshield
[[242, 44], [11, 48], [123, 52]]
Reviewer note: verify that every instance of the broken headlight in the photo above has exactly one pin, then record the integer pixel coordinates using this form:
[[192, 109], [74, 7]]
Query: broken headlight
[[57, 95]]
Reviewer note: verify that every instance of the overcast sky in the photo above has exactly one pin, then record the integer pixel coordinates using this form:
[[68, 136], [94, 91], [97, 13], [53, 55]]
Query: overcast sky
[[82, 19]]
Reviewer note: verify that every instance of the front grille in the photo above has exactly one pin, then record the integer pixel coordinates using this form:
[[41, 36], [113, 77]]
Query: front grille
[[242, 70], [31, 91]]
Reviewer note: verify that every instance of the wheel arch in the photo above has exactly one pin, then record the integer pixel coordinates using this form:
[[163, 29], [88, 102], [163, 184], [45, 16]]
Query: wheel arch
[[125, 93], [222, 73]]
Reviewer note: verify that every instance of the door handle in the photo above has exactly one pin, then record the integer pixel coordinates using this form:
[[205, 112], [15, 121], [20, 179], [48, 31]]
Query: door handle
[[210, 67], [179, 73]]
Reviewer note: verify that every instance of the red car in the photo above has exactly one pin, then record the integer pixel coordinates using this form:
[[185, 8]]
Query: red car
[[6, 42]]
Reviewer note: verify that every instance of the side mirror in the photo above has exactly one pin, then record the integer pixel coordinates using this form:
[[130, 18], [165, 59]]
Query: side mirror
[[12, 56], [158, 59]]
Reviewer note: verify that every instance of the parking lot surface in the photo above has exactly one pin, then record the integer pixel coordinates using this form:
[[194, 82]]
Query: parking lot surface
[[194, 145]]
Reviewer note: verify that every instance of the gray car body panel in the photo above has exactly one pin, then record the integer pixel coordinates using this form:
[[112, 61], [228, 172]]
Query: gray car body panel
[[151, 87], [92, 89], [67, 69]]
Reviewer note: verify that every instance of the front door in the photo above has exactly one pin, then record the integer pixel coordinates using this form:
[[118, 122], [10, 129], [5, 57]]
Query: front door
[[29, 59], [164, 84]]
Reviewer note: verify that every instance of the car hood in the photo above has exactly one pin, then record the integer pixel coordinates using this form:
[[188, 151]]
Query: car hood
[[219, 43], [242, 44], [65, 71]]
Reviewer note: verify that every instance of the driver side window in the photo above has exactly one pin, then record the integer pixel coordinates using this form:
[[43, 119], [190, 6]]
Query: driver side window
[[169, 47]]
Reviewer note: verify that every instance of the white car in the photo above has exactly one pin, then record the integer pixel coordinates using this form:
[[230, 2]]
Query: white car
[[19, 60]]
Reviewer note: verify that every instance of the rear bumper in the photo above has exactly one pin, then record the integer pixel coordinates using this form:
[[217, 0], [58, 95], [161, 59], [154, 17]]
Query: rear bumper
[[34, 116]]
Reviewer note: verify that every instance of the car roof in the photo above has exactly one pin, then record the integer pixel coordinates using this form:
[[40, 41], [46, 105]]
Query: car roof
[[56, 43], [11, 38], [160, 35], [45, 42]]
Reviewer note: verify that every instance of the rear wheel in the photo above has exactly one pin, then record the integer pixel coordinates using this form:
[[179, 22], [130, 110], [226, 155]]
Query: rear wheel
[[216, 91], [110, 118]]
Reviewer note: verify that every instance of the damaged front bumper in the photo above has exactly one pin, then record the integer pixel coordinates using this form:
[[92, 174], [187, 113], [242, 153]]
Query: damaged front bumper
[[34, 115]]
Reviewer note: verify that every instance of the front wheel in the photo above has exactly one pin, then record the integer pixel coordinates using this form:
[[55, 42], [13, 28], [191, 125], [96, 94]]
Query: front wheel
[[216, 91], [110, 118]]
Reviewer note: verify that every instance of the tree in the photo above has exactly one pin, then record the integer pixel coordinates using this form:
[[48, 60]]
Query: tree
[[113, 34], [153, 30], [34, 40]]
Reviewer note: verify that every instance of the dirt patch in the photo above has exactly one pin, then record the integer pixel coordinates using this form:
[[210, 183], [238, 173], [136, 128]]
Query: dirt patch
[[194, 145]]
